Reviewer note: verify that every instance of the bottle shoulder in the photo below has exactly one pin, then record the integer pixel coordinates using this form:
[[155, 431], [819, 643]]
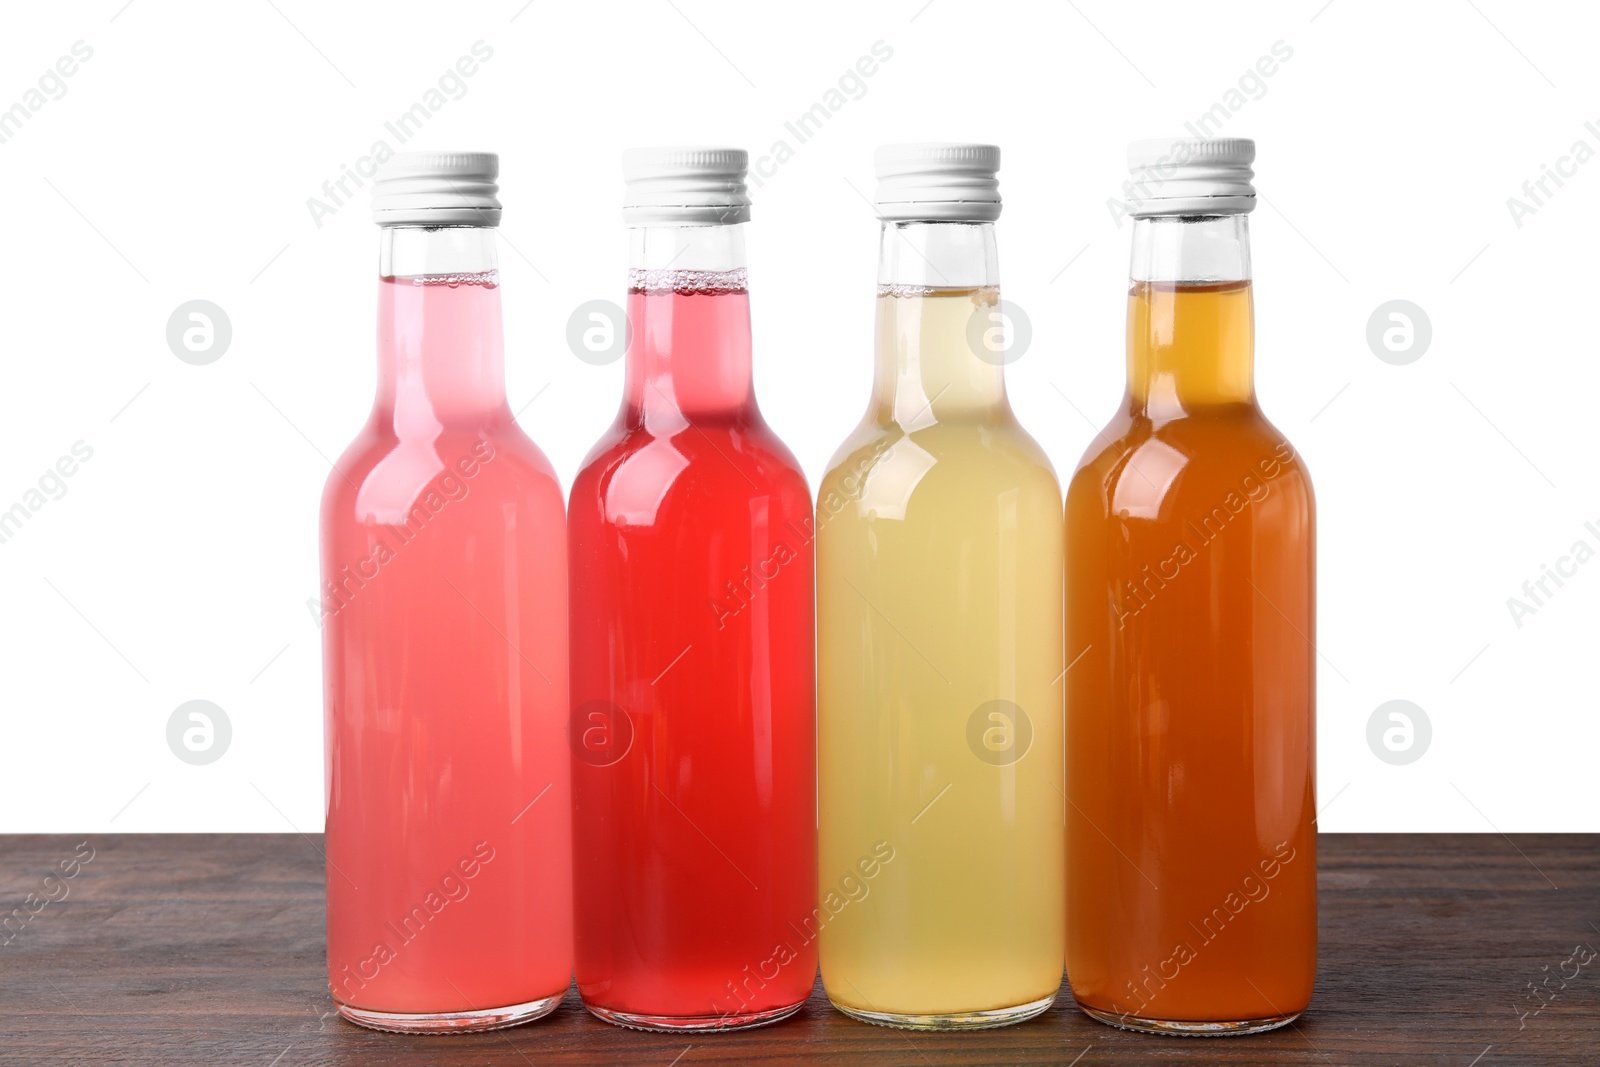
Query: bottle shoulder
[[636, 471], [883, 469], [381, 476], [1002, 447], [1137, 466]]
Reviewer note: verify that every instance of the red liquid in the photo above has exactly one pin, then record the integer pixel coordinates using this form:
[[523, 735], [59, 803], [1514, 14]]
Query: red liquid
[[694, 700], [444, 606]]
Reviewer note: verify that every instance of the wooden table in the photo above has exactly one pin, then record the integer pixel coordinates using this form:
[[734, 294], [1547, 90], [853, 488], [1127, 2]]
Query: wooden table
[[208, 949]]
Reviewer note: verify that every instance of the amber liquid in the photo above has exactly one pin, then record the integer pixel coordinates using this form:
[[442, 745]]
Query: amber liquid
[[1191, 851]]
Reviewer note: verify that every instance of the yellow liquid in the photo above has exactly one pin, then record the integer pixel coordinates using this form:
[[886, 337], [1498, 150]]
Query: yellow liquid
[[939, 591]]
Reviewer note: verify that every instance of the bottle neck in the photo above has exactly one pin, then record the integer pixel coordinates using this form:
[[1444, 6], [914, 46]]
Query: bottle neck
[[1191, 323], [441, 348], [937, 321], [689, 313]]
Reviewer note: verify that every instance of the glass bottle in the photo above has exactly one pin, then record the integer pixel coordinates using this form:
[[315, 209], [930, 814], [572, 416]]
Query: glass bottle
[[1191, 846], [939, 591], [445, 659], [694, 708]]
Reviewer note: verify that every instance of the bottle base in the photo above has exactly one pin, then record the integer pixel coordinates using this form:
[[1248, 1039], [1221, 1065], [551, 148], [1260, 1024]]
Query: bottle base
[[965, 1020], [451, 1022], [678, 1024], [1188, 1027]]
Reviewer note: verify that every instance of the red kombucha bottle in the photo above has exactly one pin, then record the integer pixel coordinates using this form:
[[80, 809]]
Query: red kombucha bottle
[[693, 684]]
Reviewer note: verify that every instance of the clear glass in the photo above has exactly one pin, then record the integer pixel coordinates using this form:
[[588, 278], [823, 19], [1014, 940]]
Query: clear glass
[[443, 612], [939, 591], [693, 669], [1191, 849]]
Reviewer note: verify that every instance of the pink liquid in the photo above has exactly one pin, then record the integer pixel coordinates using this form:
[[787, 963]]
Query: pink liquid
[[445, 591], [693, 687]]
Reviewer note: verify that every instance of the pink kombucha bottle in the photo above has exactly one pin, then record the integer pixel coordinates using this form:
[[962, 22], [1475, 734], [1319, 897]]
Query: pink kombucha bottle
[[444, 603]]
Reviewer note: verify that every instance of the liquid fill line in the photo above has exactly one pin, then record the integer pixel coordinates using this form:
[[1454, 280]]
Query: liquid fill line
[[896, 629], [496, 629], [707, 836]]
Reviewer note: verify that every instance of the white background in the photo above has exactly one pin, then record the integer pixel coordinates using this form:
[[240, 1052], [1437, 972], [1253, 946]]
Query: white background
[[179, 161]]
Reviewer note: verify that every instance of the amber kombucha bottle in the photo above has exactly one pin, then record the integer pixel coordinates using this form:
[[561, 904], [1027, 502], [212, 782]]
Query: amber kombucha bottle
[[1190, 844]]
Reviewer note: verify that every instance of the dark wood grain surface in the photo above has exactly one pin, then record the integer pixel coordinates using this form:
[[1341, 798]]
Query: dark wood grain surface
[[208, 949]]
